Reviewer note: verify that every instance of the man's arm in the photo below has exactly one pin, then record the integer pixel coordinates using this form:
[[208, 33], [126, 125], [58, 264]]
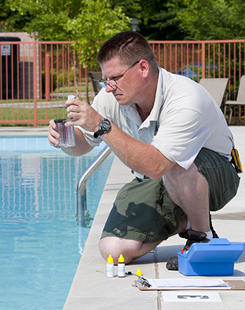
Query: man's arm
[[142, 157]]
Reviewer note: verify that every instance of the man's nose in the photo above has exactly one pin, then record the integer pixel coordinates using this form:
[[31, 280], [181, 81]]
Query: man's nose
[[109, 88]]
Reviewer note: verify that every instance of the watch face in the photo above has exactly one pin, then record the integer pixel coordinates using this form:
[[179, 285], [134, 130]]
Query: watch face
[[105, 125]]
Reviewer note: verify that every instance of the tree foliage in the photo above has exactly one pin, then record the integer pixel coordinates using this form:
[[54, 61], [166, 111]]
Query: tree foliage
[[156, 20], [94, 21], [81, 21], [210, 19], [11, 21]]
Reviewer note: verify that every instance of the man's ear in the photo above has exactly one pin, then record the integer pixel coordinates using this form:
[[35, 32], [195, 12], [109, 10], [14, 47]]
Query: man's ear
[[144, 67]]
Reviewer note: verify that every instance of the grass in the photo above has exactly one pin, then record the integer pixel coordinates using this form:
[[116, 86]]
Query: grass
[[26, 116], [60, 91]]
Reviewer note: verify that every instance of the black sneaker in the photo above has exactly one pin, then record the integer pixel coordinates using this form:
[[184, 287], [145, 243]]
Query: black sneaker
[[185, 234], [192, 237]]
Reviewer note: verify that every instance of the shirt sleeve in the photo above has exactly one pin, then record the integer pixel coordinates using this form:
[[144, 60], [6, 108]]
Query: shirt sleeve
[[181, 136]]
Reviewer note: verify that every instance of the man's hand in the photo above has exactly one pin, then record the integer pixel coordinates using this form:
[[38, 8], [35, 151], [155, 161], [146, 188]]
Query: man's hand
[[82, 114], [53, 135]]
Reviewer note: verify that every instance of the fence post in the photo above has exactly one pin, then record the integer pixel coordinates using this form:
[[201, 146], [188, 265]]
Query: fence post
[[47, 76], [203, 60], [165, 53], [35, 81]]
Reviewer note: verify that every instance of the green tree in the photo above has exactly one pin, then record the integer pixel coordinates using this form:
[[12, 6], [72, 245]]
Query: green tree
[[11, 21], [215, 20], [87, 22], [156, 20], [210, 19]]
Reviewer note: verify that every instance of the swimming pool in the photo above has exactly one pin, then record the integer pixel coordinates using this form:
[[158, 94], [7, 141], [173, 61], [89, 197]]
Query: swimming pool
[[39, 238]]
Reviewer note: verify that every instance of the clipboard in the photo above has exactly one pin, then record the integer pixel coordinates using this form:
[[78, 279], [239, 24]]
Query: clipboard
[[237, 285]]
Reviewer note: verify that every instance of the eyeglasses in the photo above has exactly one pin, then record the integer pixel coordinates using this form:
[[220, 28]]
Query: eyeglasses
[[113, 82]]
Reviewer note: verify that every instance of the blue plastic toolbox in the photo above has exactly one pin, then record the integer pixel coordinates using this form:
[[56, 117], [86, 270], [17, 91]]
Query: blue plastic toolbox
[[215, 258]]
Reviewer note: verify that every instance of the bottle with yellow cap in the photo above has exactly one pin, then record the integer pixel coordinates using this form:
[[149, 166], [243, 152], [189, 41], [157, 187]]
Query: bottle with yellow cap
[[139, 273], [121, 267], [110, 267]]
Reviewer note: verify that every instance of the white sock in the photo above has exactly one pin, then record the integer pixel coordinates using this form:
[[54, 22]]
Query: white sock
[[188, 225], [209, 234]]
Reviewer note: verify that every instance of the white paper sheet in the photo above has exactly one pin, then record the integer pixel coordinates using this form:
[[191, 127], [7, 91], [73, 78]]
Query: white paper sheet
[[187, 283]]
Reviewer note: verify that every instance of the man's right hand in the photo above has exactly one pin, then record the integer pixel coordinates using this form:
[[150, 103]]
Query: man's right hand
[[53, 135], [82, 147]]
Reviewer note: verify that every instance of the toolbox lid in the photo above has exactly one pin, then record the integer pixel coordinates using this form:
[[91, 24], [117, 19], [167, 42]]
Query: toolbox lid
[[217, 250]]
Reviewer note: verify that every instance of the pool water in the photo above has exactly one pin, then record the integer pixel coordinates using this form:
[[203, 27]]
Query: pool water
[[40, 241]]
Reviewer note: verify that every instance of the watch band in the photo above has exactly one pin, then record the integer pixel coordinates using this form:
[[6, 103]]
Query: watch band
[[105, 126]]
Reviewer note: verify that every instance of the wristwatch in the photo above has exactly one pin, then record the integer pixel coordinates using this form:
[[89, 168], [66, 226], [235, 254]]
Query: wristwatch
[[105, 126]]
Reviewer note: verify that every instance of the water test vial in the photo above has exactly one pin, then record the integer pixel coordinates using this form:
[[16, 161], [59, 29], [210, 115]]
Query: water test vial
[[110, 267], [121, 267]]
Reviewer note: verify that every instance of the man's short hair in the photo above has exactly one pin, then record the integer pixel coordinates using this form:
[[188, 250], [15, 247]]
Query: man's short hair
[[128, 47]]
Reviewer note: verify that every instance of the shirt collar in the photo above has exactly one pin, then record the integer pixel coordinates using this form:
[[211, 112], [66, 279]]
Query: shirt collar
[[132, 113]]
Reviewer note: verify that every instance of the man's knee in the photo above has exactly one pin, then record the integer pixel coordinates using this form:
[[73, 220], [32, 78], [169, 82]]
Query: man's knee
[[115, 246], [108, 247]]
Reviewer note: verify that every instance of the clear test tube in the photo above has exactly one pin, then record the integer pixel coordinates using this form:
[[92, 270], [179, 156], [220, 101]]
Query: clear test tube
[[69, 131], [69, 135], [71, 97], [60, 129]]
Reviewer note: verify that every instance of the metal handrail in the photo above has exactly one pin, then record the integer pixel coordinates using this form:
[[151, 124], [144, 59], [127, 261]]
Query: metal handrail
[[82, 184]]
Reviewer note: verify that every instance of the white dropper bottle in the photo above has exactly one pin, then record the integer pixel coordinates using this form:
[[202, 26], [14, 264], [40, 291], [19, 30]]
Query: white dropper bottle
[[121, 267], [110, 267]]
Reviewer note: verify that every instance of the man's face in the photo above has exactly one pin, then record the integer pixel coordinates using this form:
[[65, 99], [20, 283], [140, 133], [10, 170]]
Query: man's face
[[123, 81]]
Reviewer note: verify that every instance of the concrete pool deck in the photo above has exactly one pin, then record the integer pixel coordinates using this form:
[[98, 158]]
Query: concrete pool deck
[[23, 131], [92, 290]]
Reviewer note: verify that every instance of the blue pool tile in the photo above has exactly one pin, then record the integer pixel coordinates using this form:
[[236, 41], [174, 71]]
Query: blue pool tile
[[26, 144]]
